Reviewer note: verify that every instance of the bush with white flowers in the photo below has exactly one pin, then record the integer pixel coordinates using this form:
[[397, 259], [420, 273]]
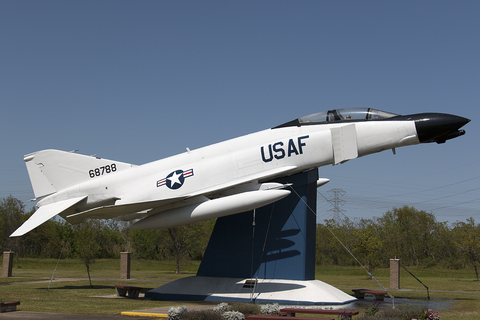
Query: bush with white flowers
[[222, 307], [175, 313], [271, 309], [233, 315]]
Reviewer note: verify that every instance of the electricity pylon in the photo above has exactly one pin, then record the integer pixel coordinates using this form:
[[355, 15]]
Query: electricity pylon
[[337, 202]]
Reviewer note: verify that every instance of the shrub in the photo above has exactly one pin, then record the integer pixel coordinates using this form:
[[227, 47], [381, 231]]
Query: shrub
[[222, 307], [202, 315], [233, 315], [271, 309], [373, 309], [246, 308], [175, 313], [399, 313], [429, 315]]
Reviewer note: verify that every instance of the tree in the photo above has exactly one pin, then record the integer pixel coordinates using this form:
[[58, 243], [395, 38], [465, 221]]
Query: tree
[[468, 241], [149, 244], [12, 215], [88, 243], [179, 236], [187, 239], [409, 234], [42, 241], [199, 236], [111, 239], [67, 238], [329, 250], [369, 244]]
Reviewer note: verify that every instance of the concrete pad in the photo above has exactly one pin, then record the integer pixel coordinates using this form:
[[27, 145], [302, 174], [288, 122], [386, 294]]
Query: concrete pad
[[286, 292]]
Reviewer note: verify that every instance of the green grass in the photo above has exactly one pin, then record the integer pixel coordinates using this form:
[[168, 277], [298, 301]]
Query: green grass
[[79, 298], [464, 306], [434, 279], [40, 269]]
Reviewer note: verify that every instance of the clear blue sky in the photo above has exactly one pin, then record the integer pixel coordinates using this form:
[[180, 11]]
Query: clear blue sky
[[137, 81]]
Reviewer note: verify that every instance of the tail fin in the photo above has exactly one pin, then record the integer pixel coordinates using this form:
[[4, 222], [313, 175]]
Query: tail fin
[[53, 170]]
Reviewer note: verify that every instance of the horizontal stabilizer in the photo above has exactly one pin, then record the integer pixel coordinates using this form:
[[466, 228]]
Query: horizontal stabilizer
[[45, 213]]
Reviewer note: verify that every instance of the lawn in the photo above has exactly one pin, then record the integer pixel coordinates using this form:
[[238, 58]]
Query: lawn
[[456, 286], [76, 296]]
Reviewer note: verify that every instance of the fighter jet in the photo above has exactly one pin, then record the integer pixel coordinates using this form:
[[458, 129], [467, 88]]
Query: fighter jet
[[221, 179]]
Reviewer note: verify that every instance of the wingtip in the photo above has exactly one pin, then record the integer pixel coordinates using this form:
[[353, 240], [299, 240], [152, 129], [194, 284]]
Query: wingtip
[[17, 233], [23, 229]]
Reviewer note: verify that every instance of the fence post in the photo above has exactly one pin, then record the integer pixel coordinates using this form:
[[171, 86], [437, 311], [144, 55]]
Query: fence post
[[394, 273], [7, 264], [124, 265]]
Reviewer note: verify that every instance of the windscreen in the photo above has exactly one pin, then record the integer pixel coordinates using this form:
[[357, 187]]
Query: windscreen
[[346, 114]]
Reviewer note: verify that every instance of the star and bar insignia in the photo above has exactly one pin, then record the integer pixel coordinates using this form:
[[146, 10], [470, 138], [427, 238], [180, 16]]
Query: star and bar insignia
[[175, 179]]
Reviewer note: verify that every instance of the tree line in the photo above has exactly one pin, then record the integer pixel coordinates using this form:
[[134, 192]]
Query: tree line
[[408, 234], [99, 239], [413, 236]]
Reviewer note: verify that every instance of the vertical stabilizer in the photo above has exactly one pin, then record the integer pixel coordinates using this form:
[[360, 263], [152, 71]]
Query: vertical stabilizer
[[40, 184], [53, 170]]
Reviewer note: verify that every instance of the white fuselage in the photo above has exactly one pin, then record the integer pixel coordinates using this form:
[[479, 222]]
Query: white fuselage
[[222, 179], [296, 148]]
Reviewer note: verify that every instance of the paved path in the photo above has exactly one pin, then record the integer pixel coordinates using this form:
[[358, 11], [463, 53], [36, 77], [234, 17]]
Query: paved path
[[19, 315], [79, 279]]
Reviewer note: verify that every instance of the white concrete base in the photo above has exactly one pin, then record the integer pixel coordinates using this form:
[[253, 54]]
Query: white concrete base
[[286, 292]]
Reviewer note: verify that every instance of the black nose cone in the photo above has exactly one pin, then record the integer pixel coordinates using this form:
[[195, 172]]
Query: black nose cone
[[438, 127]]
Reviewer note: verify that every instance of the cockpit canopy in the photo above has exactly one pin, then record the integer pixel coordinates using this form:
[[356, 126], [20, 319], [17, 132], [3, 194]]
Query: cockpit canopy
[[346, 114]]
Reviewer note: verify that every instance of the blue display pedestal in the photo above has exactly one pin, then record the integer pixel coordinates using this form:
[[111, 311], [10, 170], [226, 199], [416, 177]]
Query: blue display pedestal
[[281, 244], [272, 247]]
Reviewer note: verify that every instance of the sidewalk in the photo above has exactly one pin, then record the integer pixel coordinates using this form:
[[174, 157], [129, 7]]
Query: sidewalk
[[162, 312], [144, 314], [20, 315]]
